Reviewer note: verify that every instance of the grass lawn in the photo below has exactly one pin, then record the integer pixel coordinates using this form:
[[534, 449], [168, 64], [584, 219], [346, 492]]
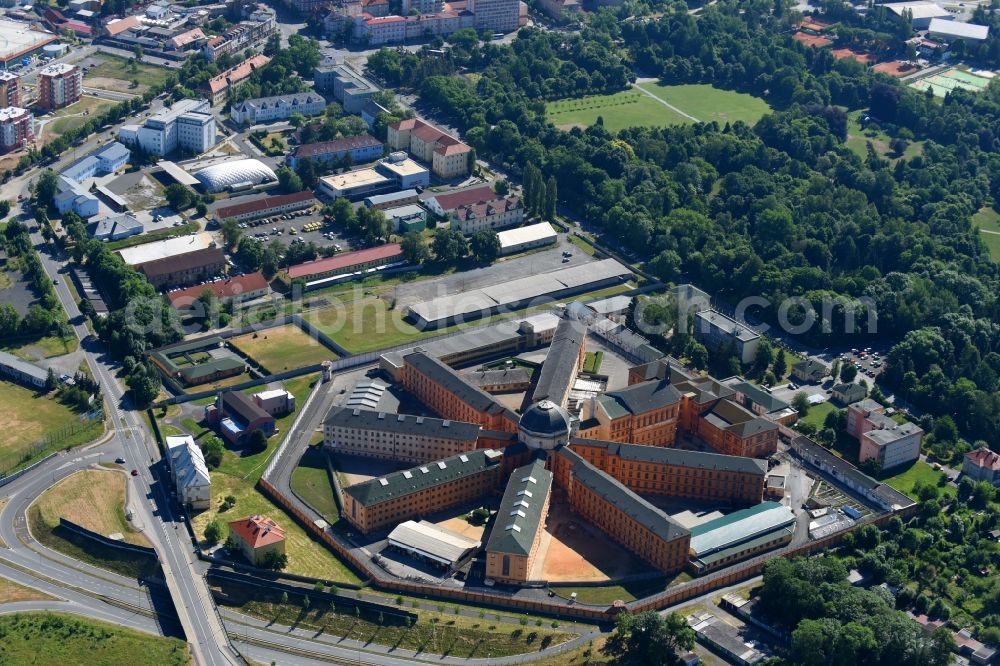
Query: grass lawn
[[592, 362], [859, 137], [160, 234], [988, 220], [369, 324], [68, 640], [75, 115], [116, 73], [11, 592], [904, 480], [586, 247], [92, 499], [283, 348], [707, 103], [311, 483], [28, 417], [629, 108], [434, 633], [40, 348], [608, 594], [817, 414]]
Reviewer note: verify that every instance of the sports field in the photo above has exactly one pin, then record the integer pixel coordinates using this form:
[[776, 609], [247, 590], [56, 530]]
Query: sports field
[[988, 221], [657, 105], [944, 82], [282, 348]]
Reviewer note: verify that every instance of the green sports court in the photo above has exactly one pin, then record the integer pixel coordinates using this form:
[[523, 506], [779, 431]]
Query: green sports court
[[953, 79]]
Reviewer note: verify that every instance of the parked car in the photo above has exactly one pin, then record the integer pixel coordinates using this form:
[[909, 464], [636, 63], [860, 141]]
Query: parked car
[[120, 460], [135, 472]]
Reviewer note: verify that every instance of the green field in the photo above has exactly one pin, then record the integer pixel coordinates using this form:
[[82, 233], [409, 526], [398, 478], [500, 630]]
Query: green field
[[919, 471], [311, 483], [282, 348], [75, 115], [28, 417], [608, 594], [817, 414], [858, 139], [57, 638], [116, 73], [988, 221], [636, 108], [592, 362]]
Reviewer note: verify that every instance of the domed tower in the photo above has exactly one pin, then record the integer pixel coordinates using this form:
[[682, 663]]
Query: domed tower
[[545, 425]]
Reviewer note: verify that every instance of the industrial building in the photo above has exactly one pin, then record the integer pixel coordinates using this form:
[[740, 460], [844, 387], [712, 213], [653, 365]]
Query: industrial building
[[192, 482], [948, 31], [739, 535], [20, 41], [401, 437], [526, 238], [478, 303], [430, 543], [920, 13]]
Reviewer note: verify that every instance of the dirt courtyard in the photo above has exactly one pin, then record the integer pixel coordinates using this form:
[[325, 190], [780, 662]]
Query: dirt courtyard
[[460, 525], [573, 550]]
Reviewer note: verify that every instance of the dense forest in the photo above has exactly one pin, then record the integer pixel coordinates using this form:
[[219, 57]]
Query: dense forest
[[782, 209]]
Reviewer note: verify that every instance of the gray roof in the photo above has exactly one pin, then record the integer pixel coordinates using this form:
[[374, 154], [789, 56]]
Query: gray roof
[[295, 99], [545, 417], [433, 541], [810, 366], [679, 457], [711, 318], [645, 396], [520, 515], [452, 382], [377, 199], [706, 389], [21, 366], [739, 526], [365, 419], [416, 479], [559, 368], [892, 431], [654, 519], [735, 418], [851, 391], [759, 396], [494, 377]]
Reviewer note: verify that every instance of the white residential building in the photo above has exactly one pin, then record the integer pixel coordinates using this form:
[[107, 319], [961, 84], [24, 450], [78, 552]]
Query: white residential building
[[189, 472], [267, 109], [188, 125]]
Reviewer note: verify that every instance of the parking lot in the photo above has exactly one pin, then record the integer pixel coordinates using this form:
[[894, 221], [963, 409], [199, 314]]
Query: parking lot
[[869, 363], [306, 226]]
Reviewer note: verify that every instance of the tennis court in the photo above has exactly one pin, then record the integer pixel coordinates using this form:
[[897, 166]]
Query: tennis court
[[953, 79]]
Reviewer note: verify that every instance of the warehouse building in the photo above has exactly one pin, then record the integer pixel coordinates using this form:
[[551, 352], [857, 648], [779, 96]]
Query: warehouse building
[[430, 543], [346, 264], [526, 238], [355, 185], [405, 219], [392, 199], [401, 437], [739, 535]]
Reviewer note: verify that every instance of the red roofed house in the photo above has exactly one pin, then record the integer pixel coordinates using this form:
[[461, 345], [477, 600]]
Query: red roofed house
[[259, 539], [266, 206], [478, 208], [982, 465], [217, 88], [119, 26], [362, 148], [347, 262], [238, 289], [448, 157]]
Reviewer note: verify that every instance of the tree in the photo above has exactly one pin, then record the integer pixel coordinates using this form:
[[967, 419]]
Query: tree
[[257, 441], [46, 188], [342, 212], [213, 532], [10, 321], [231, 231], [284, 597], [296, 120], [848, 373], [213, 449], [178, 196], [801, 403], [501, 187], [485, 246], [414, 249], [201, 208], [551, 198], [647, 639], [780, 365], [450, 245], [288, 180]]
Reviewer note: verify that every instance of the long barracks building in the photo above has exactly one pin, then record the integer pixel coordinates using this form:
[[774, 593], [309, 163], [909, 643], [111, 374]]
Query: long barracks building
[[400, 437]]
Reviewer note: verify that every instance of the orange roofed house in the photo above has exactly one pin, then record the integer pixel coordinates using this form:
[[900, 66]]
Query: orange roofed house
[[448, 157], [259, 539], [217, 88]]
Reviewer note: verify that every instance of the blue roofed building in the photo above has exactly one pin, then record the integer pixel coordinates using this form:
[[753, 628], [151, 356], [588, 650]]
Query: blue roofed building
[[104, 160], [73, 196]]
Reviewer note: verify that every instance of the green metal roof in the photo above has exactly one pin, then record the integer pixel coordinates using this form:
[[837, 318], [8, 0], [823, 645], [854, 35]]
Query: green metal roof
[[520, 513], [738, 527]]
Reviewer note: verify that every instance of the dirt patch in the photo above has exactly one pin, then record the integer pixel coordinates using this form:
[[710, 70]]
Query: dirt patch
[[461, 526], [11, 592], [145, 194], [572, 550], [116, 85]]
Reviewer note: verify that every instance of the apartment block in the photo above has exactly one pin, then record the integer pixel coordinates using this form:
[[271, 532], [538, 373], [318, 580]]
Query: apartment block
[[496, 15], [10, 89], [882, 439], [719, 332], [360, 149], [281, 107], [16, 128], [448, 157], [423, 490], [59, 85], [400, 437], [217, 88]]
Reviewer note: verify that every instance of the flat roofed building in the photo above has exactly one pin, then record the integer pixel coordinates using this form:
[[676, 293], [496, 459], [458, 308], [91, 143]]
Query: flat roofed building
[[740, 535], [624, 516], [59, 85], [517, 530], [18, 41], [392, 199], [407, 218], [351, 90], [258, 538], [950, 31], [526, 238], [17, 128], [400, 437], [407, 173], [920, 13], [188, 125], [718, 331], [10, 89], [431, 543], [276, 402], [423, 490], [266, 206], [355, 185], [444, 392], [882, 439], [192, 481]]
